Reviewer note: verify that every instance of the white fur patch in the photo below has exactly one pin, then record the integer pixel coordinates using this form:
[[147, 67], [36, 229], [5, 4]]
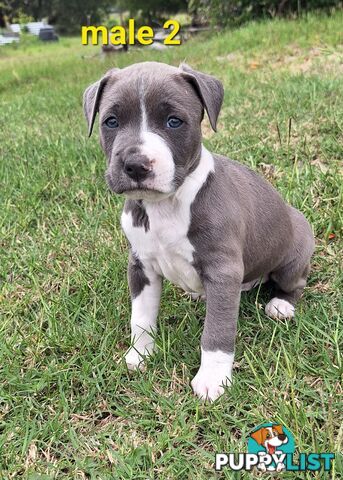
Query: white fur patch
[[161, 158], [157, 151], [214, 372], [279, 308], [143, 323], [165, 247]]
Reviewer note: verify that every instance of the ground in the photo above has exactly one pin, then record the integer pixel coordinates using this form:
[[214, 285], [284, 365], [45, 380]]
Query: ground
[[69, 407]]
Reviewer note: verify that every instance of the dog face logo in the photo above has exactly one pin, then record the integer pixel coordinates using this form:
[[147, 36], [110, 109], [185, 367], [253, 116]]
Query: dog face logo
[[271, 441], [270, 437]]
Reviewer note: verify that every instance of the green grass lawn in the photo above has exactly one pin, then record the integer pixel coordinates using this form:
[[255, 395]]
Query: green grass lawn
[[68, 406]]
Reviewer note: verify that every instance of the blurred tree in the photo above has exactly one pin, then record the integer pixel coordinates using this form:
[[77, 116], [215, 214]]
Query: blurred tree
[[153, 9], [2, 17], [231, 12], [8, 9], [15, 9], [68, 15]]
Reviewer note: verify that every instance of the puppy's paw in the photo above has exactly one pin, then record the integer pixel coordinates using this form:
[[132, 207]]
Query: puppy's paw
[[214, 373], [206, 388], [197, 296], [134, 360], [279, 309]]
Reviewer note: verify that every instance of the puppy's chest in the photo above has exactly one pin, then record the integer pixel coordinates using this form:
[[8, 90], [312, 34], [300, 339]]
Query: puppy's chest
[[160, 240]]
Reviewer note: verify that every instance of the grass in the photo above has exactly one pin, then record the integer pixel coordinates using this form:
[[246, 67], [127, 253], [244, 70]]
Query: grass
[[68, 407]]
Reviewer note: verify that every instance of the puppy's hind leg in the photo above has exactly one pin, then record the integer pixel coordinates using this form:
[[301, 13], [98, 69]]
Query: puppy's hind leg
[[290, 278]]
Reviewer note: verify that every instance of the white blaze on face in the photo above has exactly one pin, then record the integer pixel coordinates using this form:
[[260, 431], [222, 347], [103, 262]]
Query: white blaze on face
[[155, 148]]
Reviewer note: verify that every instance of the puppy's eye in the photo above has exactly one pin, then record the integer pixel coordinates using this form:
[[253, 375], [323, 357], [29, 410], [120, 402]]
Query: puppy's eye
[[174, 122], [112, 122]]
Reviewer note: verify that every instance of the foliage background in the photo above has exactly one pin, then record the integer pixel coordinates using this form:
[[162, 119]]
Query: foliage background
[[68, 16]]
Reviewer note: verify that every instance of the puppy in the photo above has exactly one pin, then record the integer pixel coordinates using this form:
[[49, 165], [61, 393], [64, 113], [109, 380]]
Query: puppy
[[204, 222], [270, 438]]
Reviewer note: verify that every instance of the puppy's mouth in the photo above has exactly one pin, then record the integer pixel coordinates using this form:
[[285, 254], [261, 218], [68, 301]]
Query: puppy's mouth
[[145, 194], [271, 448], [135, 190]]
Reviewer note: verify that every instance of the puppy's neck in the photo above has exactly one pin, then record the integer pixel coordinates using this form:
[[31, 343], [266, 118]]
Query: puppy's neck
[[196, 179]]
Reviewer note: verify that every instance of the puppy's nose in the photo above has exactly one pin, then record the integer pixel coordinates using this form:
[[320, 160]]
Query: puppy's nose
[[137, 168], [282, 437]]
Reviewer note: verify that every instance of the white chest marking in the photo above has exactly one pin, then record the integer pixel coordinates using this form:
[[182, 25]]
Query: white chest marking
[[165, 247]]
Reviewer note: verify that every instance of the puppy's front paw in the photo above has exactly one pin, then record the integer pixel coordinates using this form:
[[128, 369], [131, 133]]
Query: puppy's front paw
[[213, 374], [279, 309], [134, 360], [207, 387]]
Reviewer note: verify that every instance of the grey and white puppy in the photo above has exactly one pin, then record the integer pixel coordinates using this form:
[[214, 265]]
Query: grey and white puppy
[[204, 222]]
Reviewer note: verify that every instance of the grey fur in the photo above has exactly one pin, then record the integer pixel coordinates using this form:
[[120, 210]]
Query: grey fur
[[247, 232], [136, 275], [92, 97], [241, 229], [210, 90], [139, 216]]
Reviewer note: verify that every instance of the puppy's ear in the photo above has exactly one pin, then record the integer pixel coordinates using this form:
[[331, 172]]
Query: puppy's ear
[[91, 99], [278, 428], [209, 89], [258, 436]]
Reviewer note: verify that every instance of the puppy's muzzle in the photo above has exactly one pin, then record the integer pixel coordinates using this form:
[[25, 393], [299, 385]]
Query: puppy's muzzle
[[134, 164]]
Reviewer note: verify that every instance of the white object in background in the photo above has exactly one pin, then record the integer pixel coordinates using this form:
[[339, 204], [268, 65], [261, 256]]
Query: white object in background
[[34, 27], [15, 28], [7, 40]]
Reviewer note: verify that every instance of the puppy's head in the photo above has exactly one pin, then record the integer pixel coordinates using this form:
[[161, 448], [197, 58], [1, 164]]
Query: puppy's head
[[150, 115], [270, 437]]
